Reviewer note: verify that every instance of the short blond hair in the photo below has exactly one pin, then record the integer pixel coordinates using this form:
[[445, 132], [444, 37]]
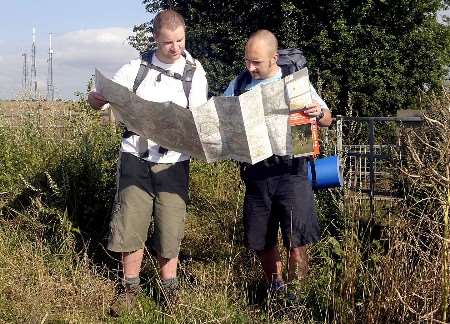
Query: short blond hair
[[168, 19]]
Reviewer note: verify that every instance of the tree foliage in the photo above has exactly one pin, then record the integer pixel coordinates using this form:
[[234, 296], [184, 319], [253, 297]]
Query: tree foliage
[[365, 57]]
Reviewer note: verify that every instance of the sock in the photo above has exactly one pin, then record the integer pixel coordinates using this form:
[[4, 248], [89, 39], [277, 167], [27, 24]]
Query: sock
[[131, 282], [169, 284]]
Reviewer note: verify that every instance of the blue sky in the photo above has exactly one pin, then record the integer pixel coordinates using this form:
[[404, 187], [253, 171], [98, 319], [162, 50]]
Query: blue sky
[[85, 35]]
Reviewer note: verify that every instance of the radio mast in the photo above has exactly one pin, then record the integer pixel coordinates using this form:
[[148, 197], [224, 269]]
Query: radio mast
[[50, 86], [33, 80], [24, 73]]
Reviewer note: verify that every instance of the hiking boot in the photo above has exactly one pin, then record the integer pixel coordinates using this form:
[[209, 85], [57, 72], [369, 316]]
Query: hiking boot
[[125, 301], [282, 294], [169, 294], [275, 292], [170, 300]]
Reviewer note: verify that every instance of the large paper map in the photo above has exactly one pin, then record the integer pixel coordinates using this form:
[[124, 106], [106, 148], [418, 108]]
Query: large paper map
[[247, 128]]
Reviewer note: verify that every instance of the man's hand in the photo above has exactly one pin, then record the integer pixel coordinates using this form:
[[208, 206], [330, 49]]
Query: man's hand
[[96, 100], [313, 109], [323, 115]]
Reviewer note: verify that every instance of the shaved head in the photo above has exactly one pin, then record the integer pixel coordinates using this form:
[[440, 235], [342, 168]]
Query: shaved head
[[261, 54], [266, 38]]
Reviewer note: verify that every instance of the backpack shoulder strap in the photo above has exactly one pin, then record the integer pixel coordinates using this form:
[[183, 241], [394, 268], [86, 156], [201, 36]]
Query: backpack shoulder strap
[[285, 70], [188, 74], [243, 79], [186, 78], [312, 168], [146, 60]]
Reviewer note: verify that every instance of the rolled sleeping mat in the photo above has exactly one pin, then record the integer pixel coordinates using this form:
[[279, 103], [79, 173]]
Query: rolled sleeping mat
[[325, 172]]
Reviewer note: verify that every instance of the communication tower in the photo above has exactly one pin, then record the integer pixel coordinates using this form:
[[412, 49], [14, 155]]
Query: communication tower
[[25, 72], [50, 86], [33, 80]]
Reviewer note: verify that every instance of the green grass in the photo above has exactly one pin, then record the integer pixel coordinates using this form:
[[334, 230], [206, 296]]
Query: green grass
[[56, 191]]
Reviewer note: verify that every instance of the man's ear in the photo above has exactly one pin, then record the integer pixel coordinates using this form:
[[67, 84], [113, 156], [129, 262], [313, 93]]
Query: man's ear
[[156, 36], [275, 58]]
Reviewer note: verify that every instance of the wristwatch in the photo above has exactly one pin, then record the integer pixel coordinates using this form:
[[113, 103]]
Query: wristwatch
[[320, 116]]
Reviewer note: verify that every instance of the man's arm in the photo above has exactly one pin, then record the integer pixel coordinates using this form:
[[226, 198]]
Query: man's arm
[[318, 108], [124, 76]]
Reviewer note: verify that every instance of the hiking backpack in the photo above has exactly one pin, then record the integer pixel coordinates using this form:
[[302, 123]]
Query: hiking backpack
[[290, 60], [146, 65]]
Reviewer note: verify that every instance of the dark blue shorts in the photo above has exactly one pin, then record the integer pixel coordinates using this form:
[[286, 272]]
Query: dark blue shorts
[[279, 196]]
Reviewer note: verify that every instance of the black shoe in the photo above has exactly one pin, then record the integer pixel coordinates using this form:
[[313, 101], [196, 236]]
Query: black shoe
[[282, 295], [291, 298], [275, 293]]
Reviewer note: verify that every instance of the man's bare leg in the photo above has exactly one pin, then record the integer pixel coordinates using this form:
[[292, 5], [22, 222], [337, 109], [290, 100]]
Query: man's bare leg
[[167, 267], [169, 280], [126, 300], [298, 263], [271, 264], [131, 263]]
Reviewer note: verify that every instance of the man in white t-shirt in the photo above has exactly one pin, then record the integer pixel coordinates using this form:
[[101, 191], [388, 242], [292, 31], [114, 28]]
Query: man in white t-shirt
[[153, 181]]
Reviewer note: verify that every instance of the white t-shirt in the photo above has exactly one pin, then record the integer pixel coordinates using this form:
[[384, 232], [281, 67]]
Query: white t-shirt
[[162, 89]]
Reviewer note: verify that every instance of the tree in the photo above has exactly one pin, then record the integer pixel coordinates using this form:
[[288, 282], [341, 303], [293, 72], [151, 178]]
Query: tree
[[366, 58]]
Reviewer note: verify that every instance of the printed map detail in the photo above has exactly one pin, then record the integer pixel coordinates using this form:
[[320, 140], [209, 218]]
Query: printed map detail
[[248, 128]]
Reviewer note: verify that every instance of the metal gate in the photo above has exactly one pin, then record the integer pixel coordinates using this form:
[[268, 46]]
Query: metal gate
[[372, 152]]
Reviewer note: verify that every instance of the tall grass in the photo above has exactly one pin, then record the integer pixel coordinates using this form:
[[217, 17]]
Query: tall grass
[[54, 186], [56, 193]]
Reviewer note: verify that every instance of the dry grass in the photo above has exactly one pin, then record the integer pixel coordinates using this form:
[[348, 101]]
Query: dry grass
[[54, 115], [401, 273], [40, 286], [60, 201]]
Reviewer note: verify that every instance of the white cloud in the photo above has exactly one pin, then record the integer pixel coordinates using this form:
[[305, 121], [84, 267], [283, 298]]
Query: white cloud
[[113, 35], [76, 55], [94, 48]]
